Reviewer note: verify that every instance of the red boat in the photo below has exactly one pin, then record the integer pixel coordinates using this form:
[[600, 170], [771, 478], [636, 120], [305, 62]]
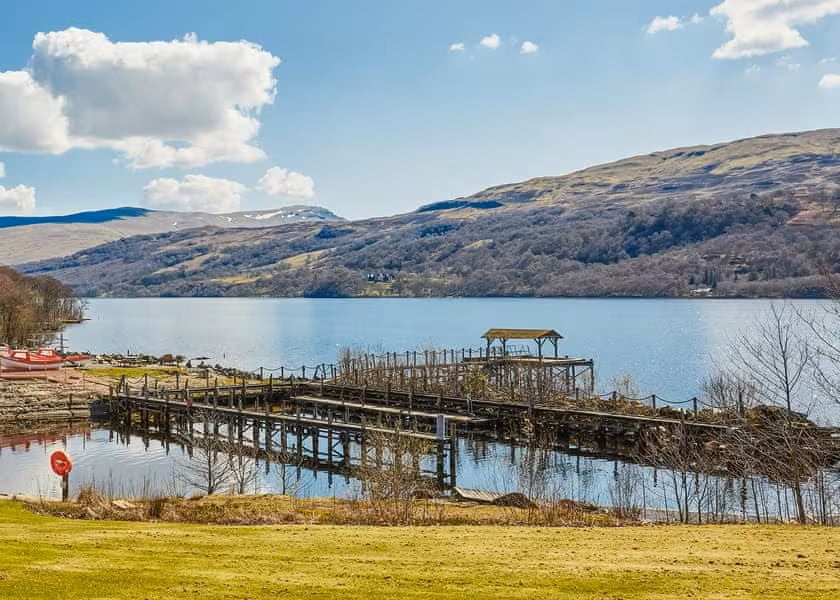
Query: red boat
[[43, 359]]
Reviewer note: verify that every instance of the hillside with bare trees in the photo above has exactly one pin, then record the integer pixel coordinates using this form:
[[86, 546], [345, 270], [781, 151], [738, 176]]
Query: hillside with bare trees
[[32, 307], [756, 217]]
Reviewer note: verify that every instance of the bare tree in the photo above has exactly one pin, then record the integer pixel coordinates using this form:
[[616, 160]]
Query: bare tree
[[823, 325], [244, 471], [626, 490], [729, 392], [393, 484], [209, 468], [773, 360]]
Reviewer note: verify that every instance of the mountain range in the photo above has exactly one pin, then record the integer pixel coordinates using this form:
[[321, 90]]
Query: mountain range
[[753, 217], [27, 239]]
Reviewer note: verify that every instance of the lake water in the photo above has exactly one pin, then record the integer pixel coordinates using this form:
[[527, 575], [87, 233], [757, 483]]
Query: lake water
[[667, 346]]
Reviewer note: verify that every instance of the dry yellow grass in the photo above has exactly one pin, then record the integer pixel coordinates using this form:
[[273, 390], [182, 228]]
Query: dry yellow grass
[[47, 557], [299, 260]]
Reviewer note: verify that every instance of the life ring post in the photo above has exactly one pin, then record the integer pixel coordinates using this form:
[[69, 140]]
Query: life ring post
[[61, 466]]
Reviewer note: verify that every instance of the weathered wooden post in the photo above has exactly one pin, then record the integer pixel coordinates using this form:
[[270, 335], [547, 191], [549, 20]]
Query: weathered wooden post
[[653, 402], [453, 456], [694, 403], [410, 396]]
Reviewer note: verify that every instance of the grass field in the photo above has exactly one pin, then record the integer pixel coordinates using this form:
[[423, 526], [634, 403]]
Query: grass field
[[48, 557]]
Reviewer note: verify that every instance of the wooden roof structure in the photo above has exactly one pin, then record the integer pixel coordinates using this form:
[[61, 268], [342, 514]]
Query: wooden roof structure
[[520, 334], [540, 336]]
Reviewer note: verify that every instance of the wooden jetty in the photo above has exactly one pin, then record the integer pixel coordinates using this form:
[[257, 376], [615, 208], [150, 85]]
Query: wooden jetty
[[499, 392], [499, 367], [290, 421], [330, 426]]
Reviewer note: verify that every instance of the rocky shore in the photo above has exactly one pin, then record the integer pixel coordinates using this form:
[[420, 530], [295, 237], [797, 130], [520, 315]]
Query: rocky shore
[[30, 401]]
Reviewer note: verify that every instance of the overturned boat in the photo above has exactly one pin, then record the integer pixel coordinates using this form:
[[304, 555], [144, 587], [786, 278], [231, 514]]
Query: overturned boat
[[43, 359]]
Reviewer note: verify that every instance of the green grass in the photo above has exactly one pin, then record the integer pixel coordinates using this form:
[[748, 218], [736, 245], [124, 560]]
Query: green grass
[[48, 557]]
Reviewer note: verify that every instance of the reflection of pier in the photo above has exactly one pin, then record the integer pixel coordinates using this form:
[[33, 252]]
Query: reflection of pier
[[334, 427], [289, 424]]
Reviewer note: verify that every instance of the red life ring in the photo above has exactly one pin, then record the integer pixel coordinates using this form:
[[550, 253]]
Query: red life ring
[[60, 463]]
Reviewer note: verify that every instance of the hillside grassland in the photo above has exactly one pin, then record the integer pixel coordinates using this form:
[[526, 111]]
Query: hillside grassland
[[755, 217], [48, 557]]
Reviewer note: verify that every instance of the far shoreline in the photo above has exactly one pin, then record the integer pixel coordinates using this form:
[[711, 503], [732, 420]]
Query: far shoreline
[[712, 298]]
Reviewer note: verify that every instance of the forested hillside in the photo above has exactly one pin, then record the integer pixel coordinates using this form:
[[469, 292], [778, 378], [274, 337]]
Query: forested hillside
[[31, 307], [752, 217]]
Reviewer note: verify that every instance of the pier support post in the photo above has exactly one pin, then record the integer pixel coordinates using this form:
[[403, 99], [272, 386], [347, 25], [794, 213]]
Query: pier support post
[[453, 454]]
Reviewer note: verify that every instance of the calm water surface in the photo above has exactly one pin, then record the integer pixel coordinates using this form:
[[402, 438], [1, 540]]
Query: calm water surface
[[668, 346]]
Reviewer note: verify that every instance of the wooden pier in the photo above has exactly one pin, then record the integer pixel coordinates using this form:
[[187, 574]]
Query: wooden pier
[[330, 426], [293, 422]]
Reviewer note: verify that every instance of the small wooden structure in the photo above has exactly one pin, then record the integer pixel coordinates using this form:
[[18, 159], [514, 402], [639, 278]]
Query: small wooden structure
[[539, 336]]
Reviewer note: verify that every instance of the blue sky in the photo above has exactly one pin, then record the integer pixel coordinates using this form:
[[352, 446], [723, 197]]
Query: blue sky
[[373, 113]]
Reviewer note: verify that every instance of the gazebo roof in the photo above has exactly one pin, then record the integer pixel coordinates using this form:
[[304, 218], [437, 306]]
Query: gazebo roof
[[521, 334]]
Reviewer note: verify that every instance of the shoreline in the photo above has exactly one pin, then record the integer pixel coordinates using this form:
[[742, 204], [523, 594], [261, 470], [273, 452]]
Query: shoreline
[[375, 297]]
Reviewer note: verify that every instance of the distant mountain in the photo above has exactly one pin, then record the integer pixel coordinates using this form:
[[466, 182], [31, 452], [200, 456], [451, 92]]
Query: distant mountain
[[25, 239], [752, 217]]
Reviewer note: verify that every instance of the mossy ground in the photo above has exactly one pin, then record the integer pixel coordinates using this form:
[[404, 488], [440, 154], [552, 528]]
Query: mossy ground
[[48, 557]]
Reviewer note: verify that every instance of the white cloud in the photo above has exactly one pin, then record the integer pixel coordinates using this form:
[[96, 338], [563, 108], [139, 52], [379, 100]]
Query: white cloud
[[752, 70], [696, 19], [282, 182], [760, 27], [2, 170], [195, 193], [457, 47], [528, 48], [31, 119], [160, 104], [786, 62], [658, 24], [828, 60], [491, 41], [830, 81], [19, 200]]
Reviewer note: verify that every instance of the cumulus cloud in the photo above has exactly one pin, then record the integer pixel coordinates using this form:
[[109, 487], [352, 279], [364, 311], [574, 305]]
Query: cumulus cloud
[[696, 19], [491, 41], [195, 193], [457, 47], [658, 24], [528, 48], [19, 200], [830, 81], [31, 118], [283, 182], [752, 70], [760, 27], [180, 103]]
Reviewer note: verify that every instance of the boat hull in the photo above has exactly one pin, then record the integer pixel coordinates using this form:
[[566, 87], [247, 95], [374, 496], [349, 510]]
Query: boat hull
[[11, 364]]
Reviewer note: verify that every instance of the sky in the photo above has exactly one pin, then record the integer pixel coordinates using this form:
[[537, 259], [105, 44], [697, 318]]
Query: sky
[[372, 108]]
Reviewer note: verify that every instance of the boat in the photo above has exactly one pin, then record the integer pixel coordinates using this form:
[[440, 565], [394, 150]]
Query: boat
[[43, 359]]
